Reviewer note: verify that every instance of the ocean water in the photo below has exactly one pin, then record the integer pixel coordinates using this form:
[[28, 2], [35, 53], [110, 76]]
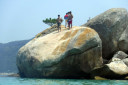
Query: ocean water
[[30, 81]]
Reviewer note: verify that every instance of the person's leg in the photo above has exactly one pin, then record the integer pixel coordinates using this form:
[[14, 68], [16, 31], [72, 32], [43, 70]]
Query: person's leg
[[58, 29], [71, 24], [65, 23], [58, 26], [68, 25]]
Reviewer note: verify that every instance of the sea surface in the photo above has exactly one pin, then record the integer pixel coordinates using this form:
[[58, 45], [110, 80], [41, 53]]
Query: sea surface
[[29, 81]]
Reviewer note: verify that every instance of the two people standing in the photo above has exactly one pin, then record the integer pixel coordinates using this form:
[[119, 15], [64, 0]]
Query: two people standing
[[68, 21]]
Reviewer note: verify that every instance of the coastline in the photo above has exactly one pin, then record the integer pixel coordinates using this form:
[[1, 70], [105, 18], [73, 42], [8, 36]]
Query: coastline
[[9, 75]]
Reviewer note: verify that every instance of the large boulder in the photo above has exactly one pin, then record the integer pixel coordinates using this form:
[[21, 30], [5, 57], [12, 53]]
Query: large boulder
[[116, 69], [112, 27], [68, 54]]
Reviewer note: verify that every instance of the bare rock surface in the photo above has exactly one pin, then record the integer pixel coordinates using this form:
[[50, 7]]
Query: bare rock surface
[[67, 54]]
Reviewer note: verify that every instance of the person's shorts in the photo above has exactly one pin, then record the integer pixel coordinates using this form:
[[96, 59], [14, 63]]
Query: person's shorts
[[58, 25], [70, 22]]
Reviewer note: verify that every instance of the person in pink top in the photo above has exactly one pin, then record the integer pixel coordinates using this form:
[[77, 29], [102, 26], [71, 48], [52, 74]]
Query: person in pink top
[[66, 20]]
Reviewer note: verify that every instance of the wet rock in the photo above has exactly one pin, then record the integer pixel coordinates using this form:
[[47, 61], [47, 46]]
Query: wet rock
[[116, 69]]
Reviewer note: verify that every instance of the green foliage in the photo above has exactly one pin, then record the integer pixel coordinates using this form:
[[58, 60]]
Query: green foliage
[[49, 21], [38, 35]]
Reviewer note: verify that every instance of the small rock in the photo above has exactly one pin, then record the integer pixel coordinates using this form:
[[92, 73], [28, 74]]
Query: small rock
[[117, 68], [119, 56], [99, 78], [126, 78]]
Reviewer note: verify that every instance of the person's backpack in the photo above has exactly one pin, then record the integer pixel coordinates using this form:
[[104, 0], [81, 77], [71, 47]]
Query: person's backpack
[[66, 17]]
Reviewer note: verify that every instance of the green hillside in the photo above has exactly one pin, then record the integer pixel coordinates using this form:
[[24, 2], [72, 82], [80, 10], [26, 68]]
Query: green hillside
[[8, 52]]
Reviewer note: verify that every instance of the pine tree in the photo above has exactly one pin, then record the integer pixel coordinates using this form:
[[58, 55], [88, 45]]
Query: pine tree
[[50, 21]]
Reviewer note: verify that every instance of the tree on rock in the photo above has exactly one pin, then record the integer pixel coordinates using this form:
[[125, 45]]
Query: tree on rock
[[49, 21]]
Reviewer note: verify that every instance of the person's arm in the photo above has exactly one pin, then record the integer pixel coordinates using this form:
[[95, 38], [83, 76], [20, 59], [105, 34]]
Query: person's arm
[[72, 16], [61, 20]]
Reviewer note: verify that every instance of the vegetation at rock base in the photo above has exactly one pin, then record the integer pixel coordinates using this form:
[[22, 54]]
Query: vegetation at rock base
[[49, 21]]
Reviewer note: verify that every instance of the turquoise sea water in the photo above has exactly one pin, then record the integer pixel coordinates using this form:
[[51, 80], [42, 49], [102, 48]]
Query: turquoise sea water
[[29, 81]]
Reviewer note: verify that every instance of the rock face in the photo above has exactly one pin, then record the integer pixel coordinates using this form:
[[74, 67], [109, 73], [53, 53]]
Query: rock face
[[117, 68], [70, 53], [48, 30], [112, 27]]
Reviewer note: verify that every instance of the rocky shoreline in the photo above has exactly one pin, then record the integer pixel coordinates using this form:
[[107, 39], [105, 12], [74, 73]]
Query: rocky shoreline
[[96, 50], [9, 75]]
